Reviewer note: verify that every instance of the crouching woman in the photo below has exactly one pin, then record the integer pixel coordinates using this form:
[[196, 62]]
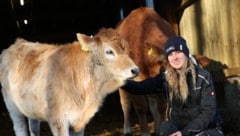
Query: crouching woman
[[189, 91]]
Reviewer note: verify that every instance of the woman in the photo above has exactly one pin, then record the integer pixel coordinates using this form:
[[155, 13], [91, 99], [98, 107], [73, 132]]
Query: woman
[[189, 91]]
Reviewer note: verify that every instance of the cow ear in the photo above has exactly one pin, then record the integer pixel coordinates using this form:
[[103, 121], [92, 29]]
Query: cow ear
[[85, 41], [125, 46]]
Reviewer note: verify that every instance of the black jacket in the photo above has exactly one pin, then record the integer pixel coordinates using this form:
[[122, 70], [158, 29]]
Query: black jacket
[[199, 111]]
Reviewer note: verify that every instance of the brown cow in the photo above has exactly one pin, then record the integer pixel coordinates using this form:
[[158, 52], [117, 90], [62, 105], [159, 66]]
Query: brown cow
[[146, 33], [64, 85]]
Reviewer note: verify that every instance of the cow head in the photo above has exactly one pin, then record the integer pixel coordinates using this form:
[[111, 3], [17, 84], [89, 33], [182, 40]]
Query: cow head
[[110, 52]]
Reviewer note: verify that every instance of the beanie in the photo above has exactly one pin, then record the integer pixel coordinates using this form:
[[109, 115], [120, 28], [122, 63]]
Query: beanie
[[176, 43]]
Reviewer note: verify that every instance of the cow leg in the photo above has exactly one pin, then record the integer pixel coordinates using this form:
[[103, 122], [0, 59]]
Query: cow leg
[[126, 107], [153, 106], [158, 108], [19, 124], [18, 119], [59, 127], [141, 108], [81, 133], [34, 127]]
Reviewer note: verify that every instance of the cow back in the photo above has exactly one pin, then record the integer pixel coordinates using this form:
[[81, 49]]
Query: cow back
[[146, 33]]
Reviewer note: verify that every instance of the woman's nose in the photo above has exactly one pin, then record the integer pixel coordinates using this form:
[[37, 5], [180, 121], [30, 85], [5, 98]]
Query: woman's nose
[[174, 56]]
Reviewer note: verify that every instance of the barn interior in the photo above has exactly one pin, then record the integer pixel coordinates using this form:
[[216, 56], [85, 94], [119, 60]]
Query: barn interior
[[57, 21]]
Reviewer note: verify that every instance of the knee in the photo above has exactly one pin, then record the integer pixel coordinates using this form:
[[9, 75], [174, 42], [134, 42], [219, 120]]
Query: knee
[[166, 128]]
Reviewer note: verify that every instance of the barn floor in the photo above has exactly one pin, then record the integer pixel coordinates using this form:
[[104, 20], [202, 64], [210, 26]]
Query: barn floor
[[103, 124], [107, 122]]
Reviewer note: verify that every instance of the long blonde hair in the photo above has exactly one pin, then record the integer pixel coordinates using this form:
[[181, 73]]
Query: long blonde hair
[[177, 80]]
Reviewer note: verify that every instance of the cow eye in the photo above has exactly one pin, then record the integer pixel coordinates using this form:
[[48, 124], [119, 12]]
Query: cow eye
[[109, 52]]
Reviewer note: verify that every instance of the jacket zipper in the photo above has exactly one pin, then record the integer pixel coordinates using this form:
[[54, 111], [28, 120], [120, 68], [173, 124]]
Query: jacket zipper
[[170, 113]]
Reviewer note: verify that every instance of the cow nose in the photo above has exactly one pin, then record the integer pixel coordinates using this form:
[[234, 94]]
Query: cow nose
[[135, 71]]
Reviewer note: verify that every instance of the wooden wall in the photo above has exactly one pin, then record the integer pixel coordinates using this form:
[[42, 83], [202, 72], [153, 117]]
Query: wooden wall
[[212, 28]]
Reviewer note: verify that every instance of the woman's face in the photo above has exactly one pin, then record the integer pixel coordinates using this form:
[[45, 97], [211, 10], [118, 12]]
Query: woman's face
[[177, 59]]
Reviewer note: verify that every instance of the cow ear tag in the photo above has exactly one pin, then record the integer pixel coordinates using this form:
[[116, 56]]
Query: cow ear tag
[[150, 51], [85, 48]]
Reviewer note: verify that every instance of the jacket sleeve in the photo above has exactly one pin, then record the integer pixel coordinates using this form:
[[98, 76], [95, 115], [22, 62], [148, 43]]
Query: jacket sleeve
[[147, 86], [207, 107]]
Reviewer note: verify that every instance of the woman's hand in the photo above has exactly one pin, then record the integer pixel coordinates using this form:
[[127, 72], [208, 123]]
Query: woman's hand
[[178, 133]]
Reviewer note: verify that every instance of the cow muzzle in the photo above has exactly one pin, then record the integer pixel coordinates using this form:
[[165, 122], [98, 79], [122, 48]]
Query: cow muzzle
[[135, 72]]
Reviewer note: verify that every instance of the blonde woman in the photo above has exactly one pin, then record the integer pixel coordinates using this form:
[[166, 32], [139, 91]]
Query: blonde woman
[[189, 91]]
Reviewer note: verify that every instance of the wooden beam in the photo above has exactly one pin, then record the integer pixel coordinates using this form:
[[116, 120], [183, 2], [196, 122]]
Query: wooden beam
[[185, 4]]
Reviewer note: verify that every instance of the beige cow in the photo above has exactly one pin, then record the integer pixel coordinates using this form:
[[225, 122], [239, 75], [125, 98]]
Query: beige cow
[[64, 85]]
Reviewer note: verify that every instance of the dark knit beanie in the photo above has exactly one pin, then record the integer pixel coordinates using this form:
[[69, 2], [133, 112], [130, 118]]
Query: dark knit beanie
[[176, 43]]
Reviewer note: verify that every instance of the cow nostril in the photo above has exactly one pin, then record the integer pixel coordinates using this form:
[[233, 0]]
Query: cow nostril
[[135, 71]]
